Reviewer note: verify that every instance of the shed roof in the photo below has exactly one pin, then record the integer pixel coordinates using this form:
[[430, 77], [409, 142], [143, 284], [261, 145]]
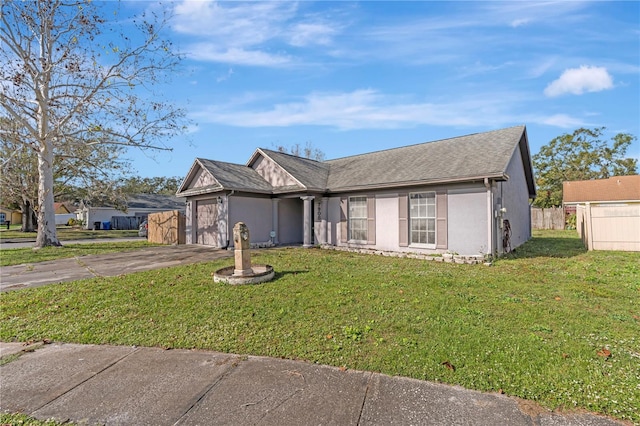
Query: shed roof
[[615, 188]]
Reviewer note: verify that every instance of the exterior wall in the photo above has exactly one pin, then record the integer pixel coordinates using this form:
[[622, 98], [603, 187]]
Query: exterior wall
[[100, 214], [613, 226], [467, 229], [63, 219], [255, 213], [467, 220], [13, 216], [515, 198], [272, 173], [290, 221]]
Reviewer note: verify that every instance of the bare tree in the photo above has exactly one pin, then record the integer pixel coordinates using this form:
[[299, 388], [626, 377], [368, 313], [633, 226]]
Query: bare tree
[[309, 151], [64, 81]]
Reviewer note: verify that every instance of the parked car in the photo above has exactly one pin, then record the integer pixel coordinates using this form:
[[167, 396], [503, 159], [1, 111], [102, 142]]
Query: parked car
[[143, 230]]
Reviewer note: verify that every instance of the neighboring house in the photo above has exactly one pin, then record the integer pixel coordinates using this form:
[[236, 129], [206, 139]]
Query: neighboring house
[[607, 211], [451, 195], [10, 215], [62, 208], [138, 206]]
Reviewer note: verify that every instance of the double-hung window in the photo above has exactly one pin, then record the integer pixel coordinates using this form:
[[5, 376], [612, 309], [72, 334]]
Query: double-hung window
[[358, 218], [422, 218]]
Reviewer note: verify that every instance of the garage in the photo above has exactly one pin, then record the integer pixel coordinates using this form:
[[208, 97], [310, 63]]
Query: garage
[[207, 220]]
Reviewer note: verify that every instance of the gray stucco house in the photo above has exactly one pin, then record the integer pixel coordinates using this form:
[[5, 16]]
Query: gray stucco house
[[462, 195]]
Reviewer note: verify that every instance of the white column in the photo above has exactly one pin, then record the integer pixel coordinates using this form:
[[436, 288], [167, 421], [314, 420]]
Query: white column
[[307, 218], [324, 215], [274, 219]]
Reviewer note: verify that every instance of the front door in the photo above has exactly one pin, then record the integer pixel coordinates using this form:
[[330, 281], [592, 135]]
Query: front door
[[207, 222]]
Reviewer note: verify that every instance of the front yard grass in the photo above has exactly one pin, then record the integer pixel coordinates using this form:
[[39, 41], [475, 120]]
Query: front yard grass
[[551, 323], [66, 233], [29, 255]]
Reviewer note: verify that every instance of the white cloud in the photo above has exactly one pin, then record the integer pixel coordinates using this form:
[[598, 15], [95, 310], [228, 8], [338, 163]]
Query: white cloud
[[234, 55], [238, 24], [304, 34], [520, 22], [580, 80], [561, 120], [248, 33], [366, 109]]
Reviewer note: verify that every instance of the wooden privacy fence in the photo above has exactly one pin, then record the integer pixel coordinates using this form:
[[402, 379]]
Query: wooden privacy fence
[[609, 227], [166, 227], [549, 218]]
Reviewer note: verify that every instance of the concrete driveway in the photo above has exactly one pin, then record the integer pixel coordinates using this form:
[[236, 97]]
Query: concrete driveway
[[104, 265]]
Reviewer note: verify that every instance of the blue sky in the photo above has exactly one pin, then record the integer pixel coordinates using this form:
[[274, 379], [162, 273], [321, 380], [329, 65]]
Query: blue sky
[[354, 77]]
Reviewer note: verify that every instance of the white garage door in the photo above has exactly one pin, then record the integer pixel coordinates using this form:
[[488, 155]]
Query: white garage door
[[207, 222]]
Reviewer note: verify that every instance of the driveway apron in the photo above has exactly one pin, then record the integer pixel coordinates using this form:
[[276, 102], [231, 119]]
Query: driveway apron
[[104, 265]]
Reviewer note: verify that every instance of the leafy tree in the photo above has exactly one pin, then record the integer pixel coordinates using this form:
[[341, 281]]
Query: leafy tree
[[64, 82], [581, 155], [19, 175], [307, 152], [153, 185], [81, 171]]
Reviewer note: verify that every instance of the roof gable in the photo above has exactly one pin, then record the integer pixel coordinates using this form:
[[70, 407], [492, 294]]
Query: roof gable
[[208, 176], [616, 188], [309, 174], [273, 171]]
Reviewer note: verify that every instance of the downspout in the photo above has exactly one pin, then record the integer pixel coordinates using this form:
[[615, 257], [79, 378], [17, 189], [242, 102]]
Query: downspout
[[490, 237], [228, 204]]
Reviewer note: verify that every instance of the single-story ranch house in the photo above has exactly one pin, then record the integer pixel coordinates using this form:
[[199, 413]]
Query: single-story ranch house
[[468, 195]]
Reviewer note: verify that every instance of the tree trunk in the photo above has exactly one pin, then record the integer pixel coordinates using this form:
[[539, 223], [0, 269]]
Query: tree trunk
[[47, 235], [27, 216]]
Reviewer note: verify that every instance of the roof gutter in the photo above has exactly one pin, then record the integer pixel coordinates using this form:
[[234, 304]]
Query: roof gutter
[[495, 177]]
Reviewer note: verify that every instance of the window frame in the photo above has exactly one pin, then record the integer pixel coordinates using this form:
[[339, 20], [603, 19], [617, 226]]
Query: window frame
[[426, 217], [363, 220]]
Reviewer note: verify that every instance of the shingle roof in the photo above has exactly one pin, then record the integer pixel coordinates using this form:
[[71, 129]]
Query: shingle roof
[[616, 188], [473, 156], [464, 158], [155, 201], [236, 176]]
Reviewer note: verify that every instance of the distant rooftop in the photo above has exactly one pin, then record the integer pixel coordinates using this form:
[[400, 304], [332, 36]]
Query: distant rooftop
[[616, 188]]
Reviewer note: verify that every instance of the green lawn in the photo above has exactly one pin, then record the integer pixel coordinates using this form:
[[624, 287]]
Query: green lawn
[[553, 323], [66, 233], [29, 255]]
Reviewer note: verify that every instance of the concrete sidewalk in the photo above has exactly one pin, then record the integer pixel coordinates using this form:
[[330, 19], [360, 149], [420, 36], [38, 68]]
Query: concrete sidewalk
[[145, 386], [110, 264]]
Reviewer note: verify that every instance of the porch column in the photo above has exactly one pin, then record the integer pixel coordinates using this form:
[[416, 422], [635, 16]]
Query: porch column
[[322, 218], [306, 219], [274, 219]]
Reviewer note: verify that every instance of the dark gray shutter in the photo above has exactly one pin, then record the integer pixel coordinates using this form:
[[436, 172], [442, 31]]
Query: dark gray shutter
[[441, 219], [371, 219], [343, 219], [403, 220]]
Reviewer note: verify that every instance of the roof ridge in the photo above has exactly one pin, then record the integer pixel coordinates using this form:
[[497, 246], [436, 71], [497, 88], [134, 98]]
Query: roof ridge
[[291, 155], [522, 126]]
